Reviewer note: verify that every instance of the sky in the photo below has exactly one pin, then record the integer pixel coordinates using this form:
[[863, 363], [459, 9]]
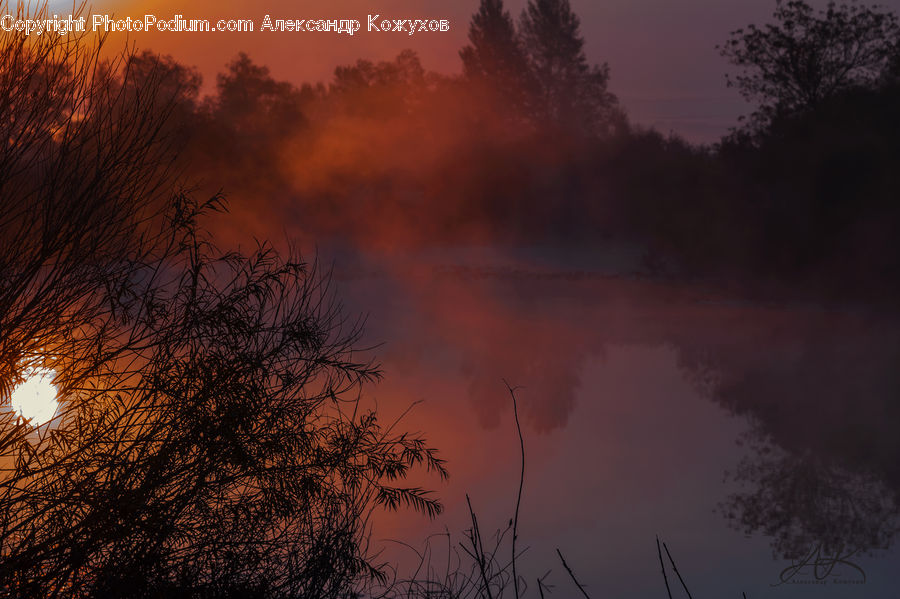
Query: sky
[[662, 54]]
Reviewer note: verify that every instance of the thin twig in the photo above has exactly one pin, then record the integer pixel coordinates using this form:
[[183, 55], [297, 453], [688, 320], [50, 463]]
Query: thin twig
[[677, 573], [541, 584], [572, 574], [515, 535], [663, 566], [479, 551]]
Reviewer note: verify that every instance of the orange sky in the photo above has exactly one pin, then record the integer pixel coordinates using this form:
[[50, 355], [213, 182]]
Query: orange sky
[[664, 64], [665, 67]]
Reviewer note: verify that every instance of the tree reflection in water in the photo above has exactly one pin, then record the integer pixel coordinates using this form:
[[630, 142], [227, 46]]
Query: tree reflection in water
[[822, 470]]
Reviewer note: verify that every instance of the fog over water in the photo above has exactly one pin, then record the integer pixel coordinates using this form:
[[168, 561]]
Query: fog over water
[[738, 432]]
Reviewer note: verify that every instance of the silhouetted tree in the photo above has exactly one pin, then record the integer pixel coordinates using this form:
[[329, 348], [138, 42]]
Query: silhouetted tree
[[176, 87], [84, 166], [210, 440], [242, 129], [254, 102], [379, 90], [572, 93], [806, 56], [218, 454], [494, 56]]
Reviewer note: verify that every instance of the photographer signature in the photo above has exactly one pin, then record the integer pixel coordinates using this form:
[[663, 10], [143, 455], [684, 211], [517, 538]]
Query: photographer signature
[[821, 565]]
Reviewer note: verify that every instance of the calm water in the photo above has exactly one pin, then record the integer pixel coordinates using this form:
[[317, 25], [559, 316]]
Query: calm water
[[739, 433]]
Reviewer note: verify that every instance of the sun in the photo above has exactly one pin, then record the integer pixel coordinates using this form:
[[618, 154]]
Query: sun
[[35, 397]]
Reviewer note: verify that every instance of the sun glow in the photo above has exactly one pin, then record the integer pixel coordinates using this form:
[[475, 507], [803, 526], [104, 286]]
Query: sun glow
[[35, 397]]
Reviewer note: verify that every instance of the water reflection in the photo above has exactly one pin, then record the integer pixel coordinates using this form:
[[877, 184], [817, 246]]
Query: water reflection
[[815, 390], [822, 396], [803, 501]]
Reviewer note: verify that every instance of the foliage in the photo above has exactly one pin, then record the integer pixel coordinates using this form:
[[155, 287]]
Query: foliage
[[495, 56], [571, 91], [806, 57], [211, 439], [84, 167]]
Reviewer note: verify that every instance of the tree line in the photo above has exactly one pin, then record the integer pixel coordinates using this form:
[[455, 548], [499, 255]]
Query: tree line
[[529, 144]]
